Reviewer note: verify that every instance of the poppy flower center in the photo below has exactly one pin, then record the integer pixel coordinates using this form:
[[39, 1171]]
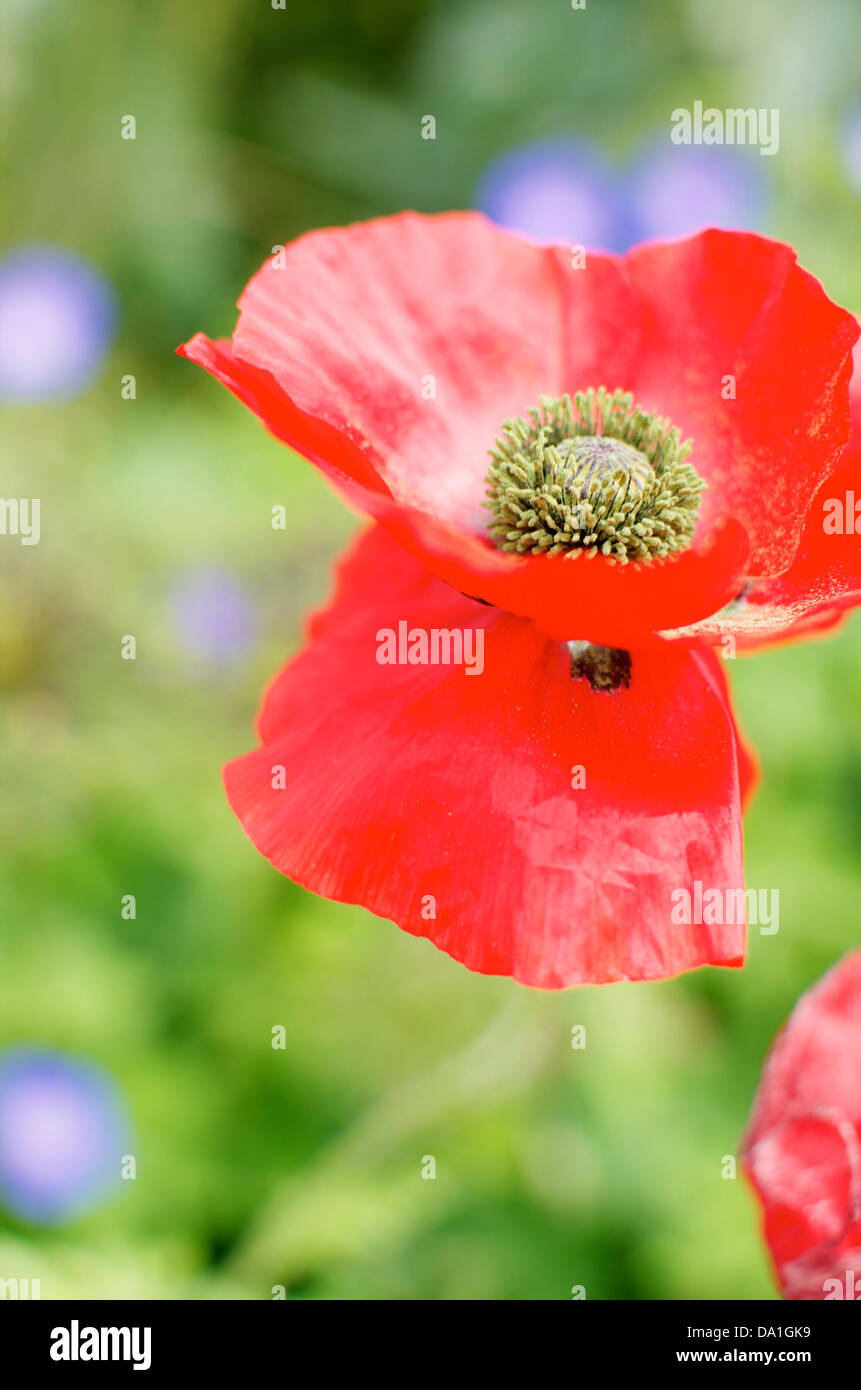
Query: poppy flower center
[[592, 473]]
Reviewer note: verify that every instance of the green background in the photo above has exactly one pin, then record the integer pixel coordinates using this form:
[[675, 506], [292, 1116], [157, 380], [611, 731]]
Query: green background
[[302, 1167]]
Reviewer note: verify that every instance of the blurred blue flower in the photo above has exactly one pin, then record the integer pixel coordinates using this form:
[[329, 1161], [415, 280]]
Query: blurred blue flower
[[675, 190], [556, 191], [213, 619], [63, 1134], [850, 146], [57, 318]]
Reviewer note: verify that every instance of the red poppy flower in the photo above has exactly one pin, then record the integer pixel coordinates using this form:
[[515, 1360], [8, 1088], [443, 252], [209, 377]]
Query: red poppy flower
[[802, 1149], [396, 355], [390, 354]]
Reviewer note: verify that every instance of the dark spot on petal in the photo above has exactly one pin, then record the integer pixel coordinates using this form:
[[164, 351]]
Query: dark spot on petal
[[605, 668]]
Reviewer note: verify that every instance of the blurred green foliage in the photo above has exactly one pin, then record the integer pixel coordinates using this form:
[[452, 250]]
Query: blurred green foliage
[[302, 1167]]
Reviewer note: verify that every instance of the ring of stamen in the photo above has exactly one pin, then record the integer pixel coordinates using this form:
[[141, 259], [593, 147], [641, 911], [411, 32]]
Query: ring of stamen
[[593, 475]]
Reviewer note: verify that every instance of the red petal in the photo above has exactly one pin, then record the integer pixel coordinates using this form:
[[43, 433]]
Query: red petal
[[613, 605], [824, 580], [802, 1149], [411, 782], [734, 304], [357, 321]]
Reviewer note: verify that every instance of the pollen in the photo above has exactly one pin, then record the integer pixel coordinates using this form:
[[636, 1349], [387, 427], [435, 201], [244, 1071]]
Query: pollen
[[592, 474]]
